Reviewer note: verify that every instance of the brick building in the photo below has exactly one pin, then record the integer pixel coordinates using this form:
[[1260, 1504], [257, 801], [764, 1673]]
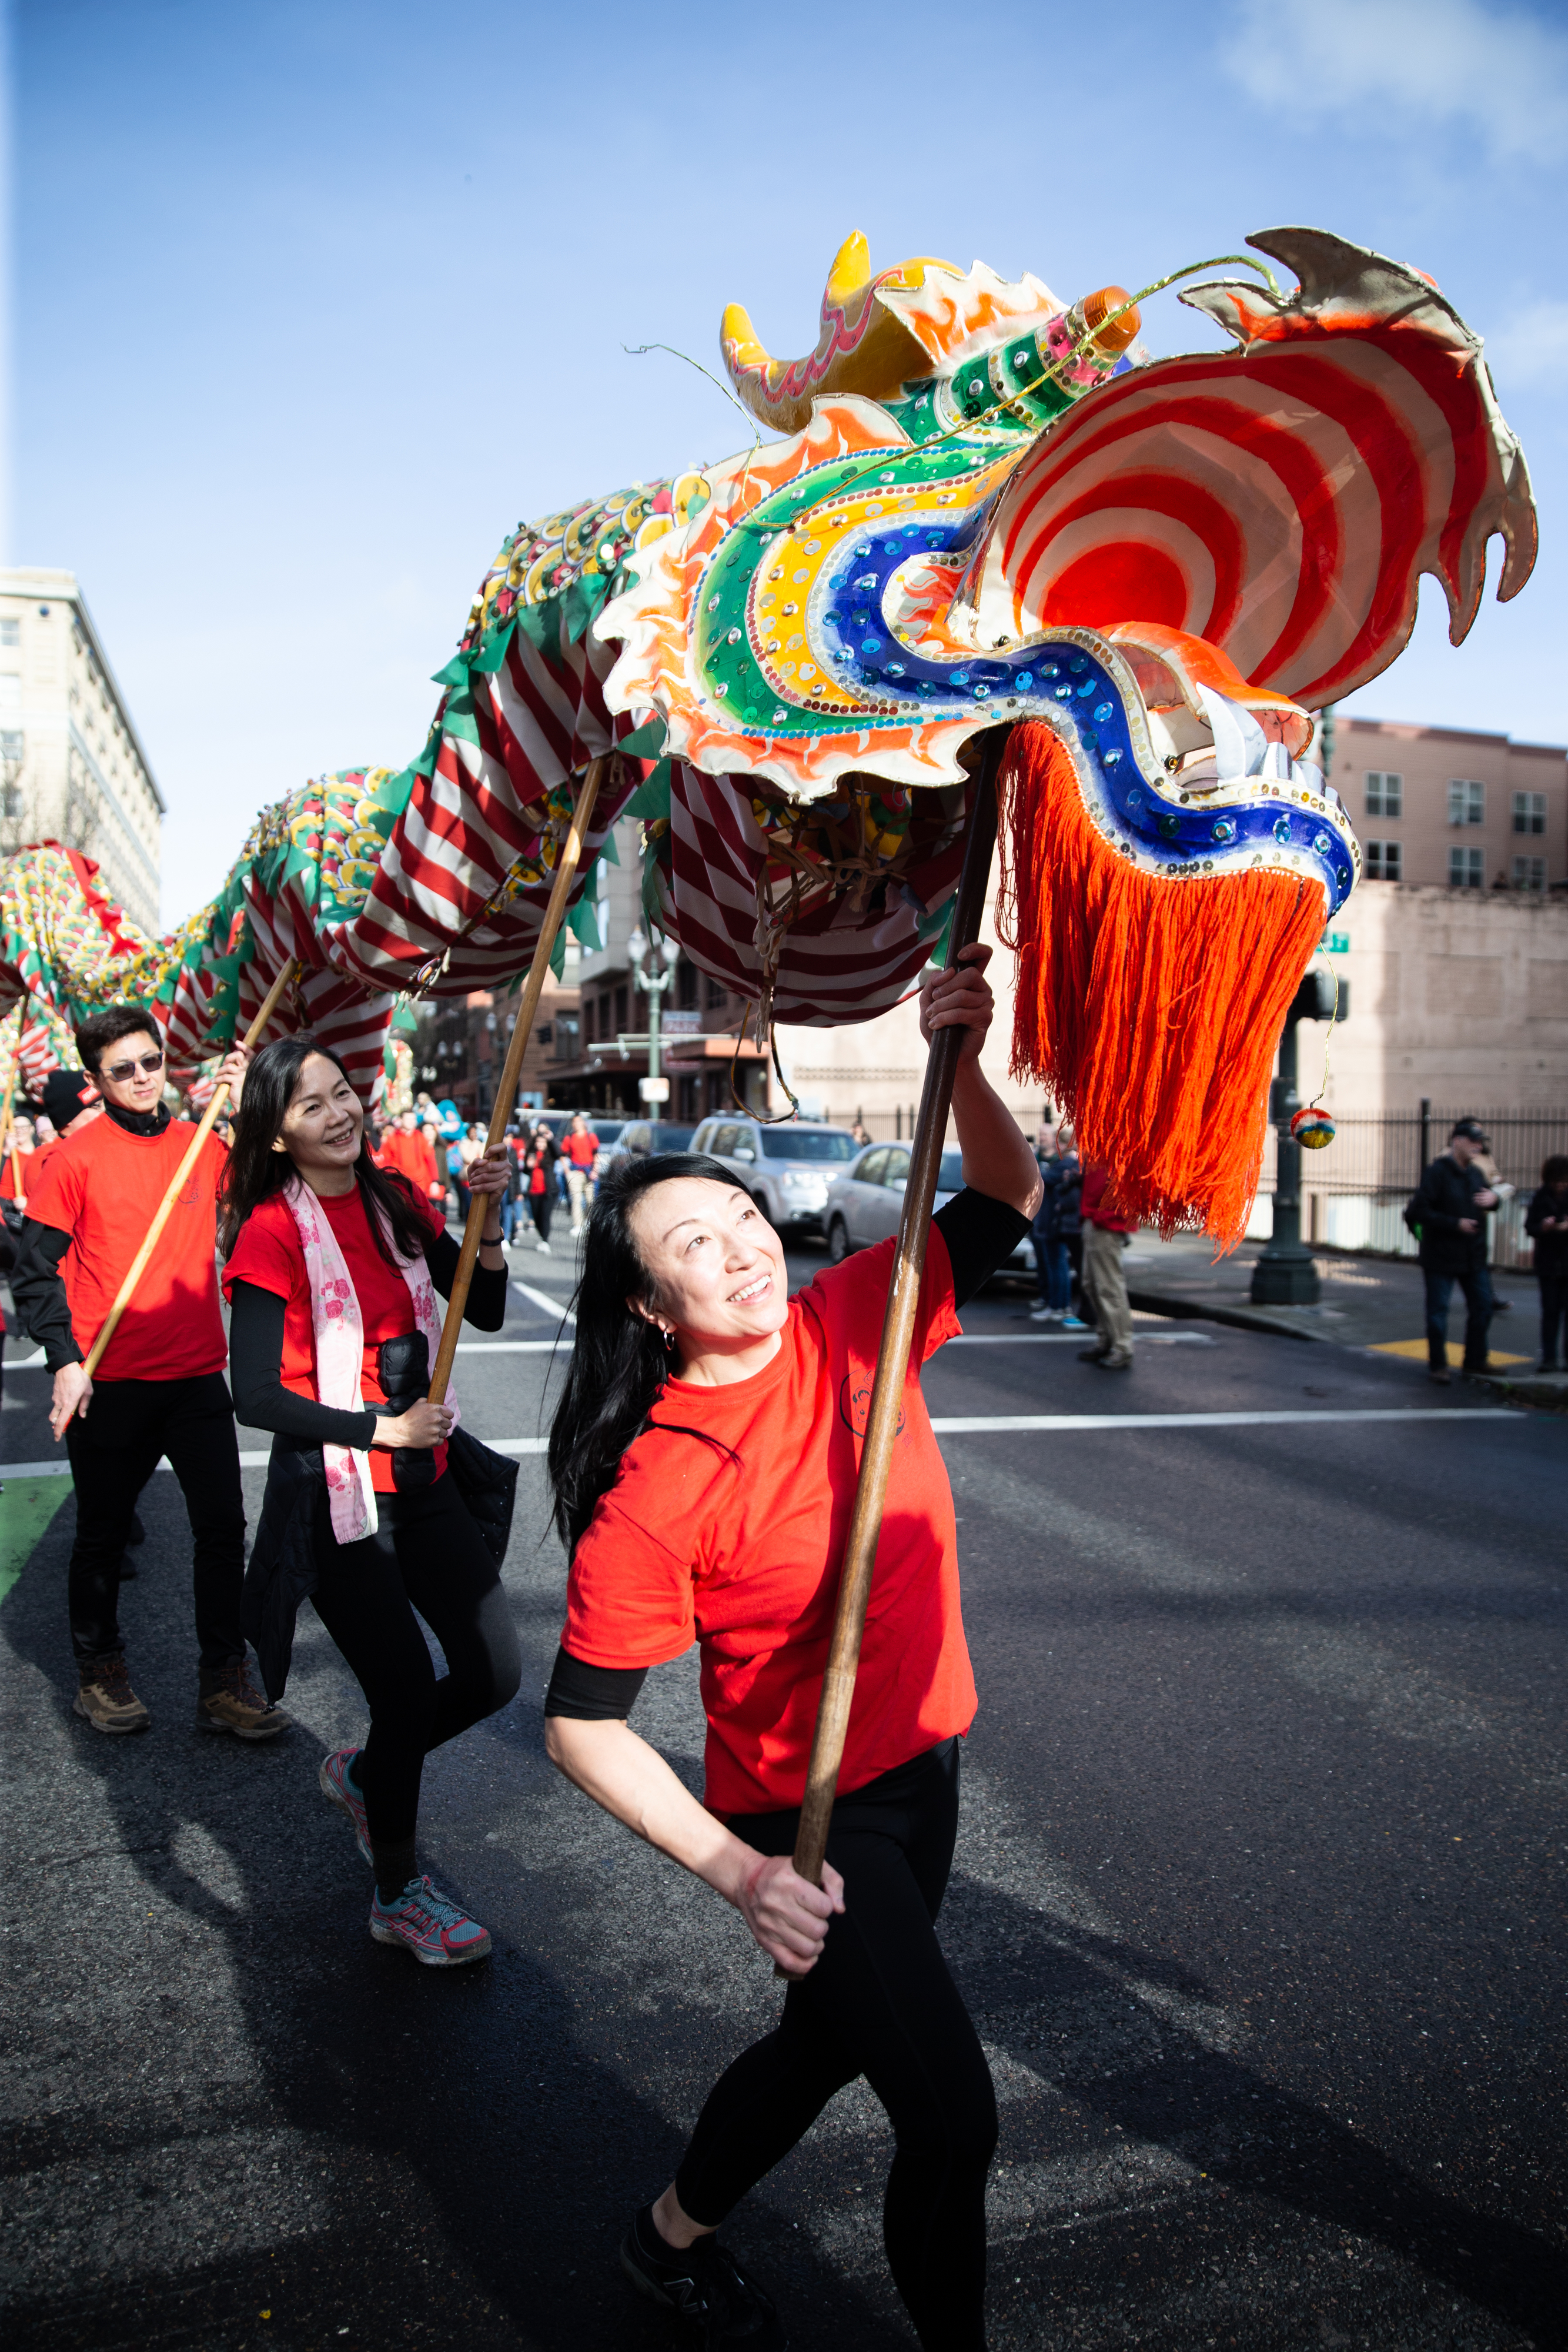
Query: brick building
[[1444, 808]]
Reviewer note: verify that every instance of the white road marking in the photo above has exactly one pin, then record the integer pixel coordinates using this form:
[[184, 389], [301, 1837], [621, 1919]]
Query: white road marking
[[1083, 1339], [552, 1307], [23, 1364], [964, 1428], [250, 1459], [508, 1347]]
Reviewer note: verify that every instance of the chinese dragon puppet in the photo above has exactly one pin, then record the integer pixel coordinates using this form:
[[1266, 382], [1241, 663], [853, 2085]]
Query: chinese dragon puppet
[[982, 507]]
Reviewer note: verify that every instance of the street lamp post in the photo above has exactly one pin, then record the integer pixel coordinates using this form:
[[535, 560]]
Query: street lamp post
[[646, 975], [1286, 1274]]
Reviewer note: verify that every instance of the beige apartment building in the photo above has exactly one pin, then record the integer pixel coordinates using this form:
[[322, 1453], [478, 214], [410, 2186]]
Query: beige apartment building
[[72, 768], [1445, 809]]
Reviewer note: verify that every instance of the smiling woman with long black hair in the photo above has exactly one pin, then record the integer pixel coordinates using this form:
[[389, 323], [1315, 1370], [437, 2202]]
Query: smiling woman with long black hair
[[704, 1460], [332, 1264]]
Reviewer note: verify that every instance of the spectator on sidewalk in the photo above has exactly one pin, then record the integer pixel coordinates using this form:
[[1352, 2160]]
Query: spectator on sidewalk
[[1546, 1223], [581, 1145], [1105, 1232], [1058, 1230], [1447, 1210]]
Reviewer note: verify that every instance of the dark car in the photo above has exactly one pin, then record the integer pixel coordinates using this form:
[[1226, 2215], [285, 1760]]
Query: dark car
[[639, 1137]]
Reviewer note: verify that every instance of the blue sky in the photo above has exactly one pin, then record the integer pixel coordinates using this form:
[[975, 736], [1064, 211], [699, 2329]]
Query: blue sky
[[312, 303]]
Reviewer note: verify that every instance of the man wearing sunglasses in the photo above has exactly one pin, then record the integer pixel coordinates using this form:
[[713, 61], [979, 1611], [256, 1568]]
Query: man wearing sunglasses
[[159, 1389]]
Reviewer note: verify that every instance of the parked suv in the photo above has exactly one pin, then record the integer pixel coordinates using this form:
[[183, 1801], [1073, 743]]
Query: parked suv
[[865, 1202], [787, 1170]]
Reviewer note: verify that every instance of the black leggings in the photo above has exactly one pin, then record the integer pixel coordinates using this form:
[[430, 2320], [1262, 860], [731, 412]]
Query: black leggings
[[879, 2002], [426, 1554]]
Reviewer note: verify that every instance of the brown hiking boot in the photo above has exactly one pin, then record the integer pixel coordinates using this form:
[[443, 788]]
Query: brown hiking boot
[[229, 1701], [105, 1697]]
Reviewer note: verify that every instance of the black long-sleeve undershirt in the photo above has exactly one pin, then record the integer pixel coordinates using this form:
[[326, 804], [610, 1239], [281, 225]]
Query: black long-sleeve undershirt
[[38, 1288], [255, 1354], [980, 1236]]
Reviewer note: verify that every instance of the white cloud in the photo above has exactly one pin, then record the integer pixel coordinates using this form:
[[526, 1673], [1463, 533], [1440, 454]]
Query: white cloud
[[1529, 347], [1503, 71]]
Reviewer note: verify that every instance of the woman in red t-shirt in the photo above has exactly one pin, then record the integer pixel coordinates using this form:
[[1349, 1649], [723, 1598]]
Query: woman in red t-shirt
[[539, 1178], [332, 1267], [703, 1461]]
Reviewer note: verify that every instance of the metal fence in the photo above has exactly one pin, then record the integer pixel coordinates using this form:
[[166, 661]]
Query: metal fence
[[1354, 1192]]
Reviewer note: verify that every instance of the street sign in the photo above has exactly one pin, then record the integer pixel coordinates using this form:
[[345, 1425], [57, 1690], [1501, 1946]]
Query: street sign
[[654, 1090]]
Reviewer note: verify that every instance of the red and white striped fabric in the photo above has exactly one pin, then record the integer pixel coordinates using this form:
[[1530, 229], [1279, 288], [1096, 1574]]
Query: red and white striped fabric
[[35, 1058], [836, 964], [1280, 500], [524, 729]]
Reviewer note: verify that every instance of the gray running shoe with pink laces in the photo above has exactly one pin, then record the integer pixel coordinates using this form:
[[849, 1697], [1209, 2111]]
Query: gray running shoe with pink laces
[[436, 1932]]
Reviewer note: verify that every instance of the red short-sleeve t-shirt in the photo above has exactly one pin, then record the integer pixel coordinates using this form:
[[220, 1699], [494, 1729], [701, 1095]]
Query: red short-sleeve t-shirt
[[268, 1254], [102, 1186], [737, 1545]]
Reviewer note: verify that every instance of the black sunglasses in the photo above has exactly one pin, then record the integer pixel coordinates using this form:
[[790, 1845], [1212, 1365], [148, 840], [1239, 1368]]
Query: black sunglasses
[[121, 1071]]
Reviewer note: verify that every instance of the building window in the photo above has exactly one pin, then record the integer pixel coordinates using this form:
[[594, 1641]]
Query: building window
[[10, 633], [686, 986], [605, 1031], [12, 746], [1529, 873], [716, 992], [1467, 804], [1466, 868], [1385, 795], [620, 1012], [1530, 812], [1384, 861]]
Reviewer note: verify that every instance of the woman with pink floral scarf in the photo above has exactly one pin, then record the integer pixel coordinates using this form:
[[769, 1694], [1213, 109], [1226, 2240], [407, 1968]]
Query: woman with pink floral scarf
[[333, 1267]]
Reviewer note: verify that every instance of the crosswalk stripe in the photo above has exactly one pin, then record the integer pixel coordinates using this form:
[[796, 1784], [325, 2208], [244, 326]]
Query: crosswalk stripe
[[978, 1425], [552, 1307]]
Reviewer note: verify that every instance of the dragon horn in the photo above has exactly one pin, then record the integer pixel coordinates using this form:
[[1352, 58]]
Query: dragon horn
[[861, 349]]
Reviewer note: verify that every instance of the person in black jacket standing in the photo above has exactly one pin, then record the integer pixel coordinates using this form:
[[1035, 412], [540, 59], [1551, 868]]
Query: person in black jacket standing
[[1546, 1223], [1449, 1212]]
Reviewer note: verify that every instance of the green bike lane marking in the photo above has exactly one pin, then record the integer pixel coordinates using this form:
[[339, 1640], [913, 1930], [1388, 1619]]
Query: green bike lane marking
[[26, 1507]]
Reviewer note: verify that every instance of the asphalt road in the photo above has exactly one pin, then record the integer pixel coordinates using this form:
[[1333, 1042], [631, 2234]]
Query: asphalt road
[[1258, 1905]]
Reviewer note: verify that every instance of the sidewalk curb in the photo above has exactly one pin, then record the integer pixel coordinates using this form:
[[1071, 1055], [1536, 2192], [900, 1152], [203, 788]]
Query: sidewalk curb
[[1523, 1389], [1241, 1318]]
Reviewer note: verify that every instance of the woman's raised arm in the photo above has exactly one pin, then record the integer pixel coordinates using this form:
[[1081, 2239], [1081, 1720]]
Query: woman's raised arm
[[998, 1160]]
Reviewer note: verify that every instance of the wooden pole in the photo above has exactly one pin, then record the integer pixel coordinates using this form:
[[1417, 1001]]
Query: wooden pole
[[928, 1137], [220, 1096], [511, 1069], [8, 1143]]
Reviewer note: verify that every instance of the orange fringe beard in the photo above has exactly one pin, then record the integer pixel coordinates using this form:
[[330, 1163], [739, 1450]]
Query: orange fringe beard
[[1150, 1007]]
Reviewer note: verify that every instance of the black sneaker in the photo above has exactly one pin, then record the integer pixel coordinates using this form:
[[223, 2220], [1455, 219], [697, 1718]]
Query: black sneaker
[[704, 2286]]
